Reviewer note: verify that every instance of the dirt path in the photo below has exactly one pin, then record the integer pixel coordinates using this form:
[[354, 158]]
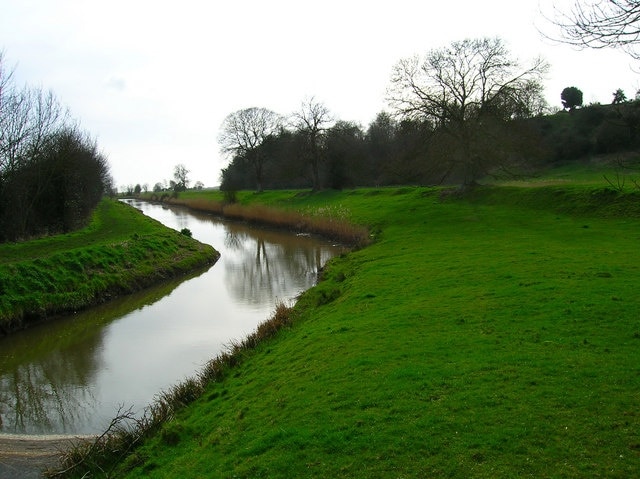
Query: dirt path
[[25, 457]]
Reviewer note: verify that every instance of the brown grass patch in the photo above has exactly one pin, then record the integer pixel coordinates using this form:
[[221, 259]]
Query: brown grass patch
[[329, 227]]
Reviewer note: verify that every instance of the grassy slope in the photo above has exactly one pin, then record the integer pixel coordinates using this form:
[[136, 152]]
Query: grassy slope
[[119, 252], [472, 339]]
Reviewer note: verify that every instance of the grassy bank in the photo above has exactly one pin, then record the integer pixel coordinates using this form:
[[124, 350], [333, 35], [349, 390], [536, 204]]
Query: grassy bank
[[121, 251], [497, 336]]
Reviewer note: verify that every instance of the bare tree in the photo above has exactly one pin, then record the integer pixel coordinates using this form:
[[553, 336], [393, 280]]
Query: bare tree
[[242, 133], [601, 24], [27, 117], [181, 175], [466, 91], [312, 121]]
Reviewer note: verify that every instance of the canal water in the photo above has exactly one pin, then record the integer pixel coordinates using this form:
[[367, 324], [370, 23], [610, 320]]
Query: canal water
[[72, 375]]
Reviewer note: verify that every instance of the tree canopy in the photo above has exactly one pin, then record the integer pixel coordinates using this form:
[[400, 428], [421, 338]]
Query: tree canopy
[[311, 121], [601, 24], [467, 91], [460, 113], [243, 132], [181, 176], [51, 173], [571, 98], [619, 97]]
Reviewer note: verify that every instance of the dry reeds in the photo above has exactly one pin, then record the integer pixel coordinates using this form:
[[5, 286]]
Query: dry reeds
[[126, 432], [320, 222], [200, 204]]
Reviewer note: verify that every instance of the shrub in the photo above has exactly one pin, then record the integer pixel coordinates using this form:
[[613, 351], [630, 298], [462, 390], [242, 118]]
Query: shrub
[[230, 196]]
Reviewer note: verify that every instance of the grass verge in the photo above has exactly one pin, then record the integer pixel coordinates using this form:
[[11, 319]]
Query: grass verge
[[497, 336], [121, 251]]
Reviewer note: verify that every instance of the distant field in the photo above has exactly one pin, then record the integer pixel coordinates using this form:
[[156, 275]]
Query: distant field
[[496, 335]]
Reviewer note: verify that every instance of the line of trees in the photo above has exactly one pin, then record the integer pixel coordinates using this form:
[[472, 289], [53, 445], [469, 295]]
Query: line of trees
[[458, 114], [51, 173]]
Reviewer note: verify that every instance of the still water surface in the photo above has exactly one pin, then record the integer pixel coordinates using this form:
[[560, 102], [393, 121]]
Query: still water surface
[[70, 376]]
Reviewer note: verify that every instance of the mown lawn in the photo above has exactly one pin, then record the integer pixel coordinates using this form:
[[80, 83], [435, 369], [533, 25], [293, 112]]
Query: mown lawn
[[497, 336]]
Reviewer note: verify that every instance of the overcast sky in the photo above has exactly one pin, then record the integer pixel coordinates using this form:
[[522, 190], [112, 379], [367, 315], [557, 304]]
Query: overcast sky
[[152, 81]]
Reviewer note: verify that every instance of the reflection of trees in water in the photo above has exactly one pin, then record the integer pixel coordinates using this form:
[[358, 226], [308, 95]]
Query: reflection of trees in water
[[266, 265], [52, 393], [48, 373], [234, 239], [182, 218]]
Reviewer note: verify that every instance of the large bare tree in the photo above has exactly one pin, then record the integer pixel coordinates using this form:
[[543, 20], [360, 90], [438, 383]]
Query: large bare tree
[[601, 24], [312, 121], [468, 92], [181, 175], [27, 117], [243, 132]]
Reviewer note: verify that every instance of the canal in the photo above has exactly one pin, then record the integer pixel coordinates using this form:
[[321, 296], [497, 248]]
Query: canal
[[72, 375]]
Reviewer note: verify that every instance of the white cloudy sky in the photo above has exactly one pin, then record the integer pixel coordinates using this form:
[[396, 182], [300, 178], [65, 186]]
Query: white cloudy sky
[[153, 80]]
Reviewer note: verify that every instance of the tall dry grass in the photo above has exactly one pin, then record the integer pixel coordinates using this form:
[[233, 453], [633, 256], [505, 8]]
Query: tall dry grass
[[326, 225], [199, 204]]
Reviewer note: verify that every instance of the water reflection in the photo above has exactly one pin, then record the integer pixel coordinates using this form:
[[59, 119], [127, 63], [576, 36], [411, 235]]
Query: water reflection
[[262, 268], [53, 391], [72, 375], [49, 373]]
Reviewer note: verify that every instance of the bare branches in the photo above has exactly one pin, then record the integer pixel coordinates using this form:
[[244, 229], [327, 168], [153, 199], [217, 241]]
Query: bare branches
[[452, 83], [313, 117], [467, 92], [601, 24], [121, 436], [244, 131], [311, 121], [51, 173]]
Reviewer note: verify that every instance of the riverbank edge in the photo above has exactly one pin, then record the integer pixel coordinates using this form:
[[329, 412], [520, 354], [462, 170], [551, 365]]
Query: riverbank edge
[[126, 432], [133, 277]]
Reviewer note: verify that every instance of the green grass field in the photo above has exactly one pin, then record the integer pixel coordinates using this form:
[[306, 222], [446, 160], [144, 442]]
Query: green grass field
[[490, 336], [120, 251]]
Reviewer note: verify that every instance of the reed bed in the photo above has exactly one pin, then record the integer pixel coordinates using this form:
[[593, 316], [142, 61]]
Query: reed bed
[[199, 204], [329, 223]]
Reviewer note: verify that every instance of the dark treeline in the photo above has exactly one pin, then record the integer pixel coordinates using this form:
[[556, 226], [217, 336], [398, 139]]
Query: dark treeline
[[460, 113], [388, 152], [348, 156], [596, 129], [51, 173], [391, 152]]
